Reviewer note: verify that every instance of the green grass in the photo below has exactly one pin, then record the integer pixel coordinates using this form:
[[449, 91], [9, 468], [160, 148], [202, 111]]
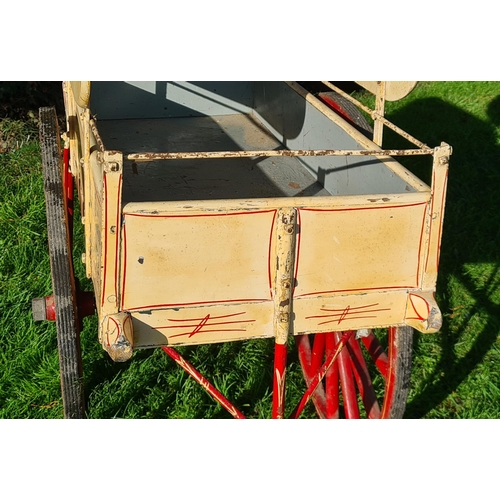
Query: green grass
[[456, 373]]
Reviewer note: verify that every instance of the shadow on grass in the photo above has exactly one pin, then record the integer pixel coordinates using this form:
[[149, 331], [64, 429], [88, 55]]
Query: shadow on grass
[[151, 385], [471, 237]]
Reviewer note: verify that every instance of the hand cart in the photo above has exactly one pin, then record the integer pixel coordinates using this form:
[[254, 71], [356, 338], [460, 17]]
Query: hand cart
[[226, 211]]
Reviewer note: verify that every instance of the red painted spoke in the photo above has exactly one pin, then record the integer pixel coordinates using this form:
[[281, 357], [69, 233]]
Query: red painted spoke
[[347, 383], [191, 370], [318, 397], [318, 352], [391, 378], [304, 350], [321, 373], [279, 380], [332, 381], [363, 380], [377, 353]]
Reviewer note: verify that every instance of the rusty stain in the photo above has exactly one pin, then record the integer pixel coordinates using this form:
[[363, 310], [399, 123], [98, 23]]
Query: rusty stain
[[142, 157], [294, 185], [285, 263], [97, 137], [373, 200]]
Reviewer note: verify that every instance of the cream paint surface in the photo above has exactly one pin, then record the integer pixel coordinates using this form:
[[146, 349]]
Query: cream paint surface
[[172, 260], [359, 249]]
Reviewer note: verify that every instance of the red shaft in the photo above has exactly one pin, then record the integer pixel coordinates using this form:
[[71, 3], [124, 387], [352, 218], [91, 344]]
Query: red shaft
[[189, 368]]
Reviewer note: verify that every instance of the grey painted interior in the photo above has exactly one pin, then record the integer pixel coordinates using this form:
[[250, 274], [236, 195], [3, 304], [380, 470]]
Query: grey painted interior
[[219, 116], [123, 100], [299, 125], [178, 180]]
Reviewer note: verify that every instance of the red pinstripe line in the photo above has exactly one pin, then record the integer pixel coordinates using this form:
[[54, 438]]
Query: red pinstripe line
[[343, 314], [211, 317], [350, 308], [124, 263], [117, 235], [363, 208], [297, 252], [355, 290], [117, 327], [269, 255], [105, 240], [206, 331], [430, 226], [201, 215], [420, 247], [210, 324], [419, 317], [369, 208], [441, 216], [128, 318], [274, 211], [198, 327], [343, 319], [160, 306]]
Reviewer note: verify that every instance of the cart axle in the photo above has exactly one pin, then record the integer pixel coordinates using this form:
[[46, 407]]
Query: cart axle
[[44, 308]]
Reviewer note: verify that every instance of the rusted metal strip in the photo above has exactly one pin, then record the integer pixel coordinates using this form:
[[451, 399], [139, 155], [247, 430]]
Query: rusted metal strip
[[98, 139], [141, 157], [378, 117]]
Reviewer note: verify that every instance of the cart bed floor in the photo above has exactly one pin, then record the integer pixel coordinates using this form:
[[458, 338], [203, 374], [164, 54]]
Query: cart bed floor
[[177, 180]]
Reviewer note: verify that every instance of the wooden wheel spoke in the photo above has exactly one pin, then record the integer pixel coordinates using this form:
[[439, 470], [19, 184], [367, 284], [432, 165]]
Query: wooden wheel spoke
[[347, 382], [332, 381], [377, 353], [350, 373], [363, 380], [318, 352], [305, 358]]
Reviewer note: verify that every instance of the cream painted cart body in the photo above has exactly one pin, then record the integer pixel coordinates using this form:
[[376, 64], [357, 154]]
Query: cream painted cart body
[[227, 211]]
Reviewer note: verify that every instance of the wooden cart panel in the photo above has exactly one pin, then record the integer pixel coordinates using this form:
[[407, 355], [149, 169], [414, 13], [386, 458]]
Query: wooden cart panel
[[188, 248]]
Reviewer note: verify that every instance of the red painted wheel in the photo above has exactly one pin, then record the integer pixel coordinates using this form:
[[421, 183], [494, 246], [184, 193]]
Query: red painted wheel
[[366, 379], [59, 224], [347, 110]]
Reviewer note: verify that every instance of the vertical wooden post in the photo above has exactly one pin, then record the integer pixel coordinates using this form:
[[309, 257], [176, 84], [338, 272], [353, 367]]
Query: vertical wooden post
[[283, 287], [438, 196], [378, 126]]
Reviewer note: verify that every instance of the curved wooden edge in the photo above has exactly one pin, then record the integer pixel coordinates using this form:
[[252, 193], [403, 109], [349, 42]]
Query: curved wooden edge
[[394, 91], [422, 312], [117, 336], [81, 93]]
